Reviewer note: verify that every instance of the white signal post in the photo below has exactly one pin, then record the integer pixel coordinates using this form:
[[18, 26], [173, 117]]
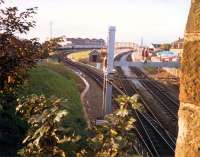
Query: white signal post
[[111, 49], [107, 107]]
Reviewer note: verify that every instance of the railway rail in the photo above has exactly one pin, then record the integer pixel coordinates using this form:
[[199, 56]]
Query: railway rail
[[167, 102], [153, 134], [98, 78], [118, 57], [153, 140], [129, 57], [157, 85]]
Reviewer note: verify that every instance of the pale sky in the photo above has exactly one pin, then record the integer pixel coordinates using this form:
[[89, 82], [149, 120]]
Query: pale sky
[[155, 20]]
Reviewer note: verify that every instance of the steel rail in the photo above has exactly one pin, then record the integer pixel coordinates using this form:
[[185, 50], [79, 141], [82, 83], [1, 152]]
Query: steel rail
[[170, 144], [99, 80]]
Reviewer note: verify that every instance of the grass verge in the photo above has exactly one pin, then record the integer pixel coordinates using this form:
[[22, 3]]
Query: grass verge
[[82, 56], [78, 56], [53, 79]]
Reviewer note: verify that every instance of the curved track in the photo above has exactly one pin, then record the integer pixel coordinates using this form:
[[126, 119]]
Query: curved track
[[152, 139], [167, 102], [153, 134]]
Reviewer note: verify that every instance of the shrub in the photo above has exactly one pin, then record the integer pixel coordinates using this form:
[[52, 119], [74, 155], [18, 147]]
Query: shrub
[[45, 134]]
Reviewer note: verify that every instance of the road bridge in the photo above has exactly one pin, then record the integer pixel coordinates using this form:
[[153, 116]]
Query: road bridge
[[139, 63], [148, 64]]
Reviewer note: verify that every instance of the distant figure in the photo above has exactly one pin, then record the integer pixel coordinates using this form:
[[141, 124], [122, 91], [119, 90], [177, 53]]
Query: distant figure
[[146, 55], [143, 53], [150, 55]]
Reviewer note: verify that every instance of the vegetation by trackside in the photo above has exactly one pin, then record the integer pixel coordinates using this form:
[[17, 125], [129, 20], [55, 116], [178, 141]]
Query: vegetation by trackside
[[78, 56], [40, 110]]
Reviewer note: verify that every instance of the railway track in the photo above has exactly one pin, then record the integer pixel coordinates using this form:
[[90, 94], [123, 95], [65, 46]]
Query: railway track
[[169, 103], [129, 57], [95, 75], [165, 101], [152, 133], [153, 136], [155, 85], [152, 139], [118, 57]]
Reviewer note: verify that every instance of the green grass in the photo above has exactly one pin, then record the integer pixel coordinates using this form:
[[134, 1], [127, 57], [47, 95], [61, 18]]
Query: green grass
[[80, 55], [53, 79]]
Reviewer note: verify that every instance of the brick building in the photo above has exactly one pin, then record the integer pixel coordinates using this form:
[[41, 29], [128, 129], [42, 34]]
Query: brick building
[[86, 42], [177, 46]]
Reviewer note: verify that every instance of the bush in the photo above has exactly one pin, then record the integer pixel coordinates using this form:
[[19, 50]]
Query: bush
[[46, 135], [43, 116], [115, 138]]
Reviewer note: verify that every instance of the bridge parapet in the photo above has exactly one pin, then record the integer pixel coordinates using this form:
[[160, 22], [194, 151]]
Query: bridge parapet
[[149, 64]]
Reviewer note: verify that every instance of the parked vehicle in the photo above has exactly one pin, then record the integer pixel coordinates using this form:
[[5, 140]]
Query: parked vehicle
[[167, 56]]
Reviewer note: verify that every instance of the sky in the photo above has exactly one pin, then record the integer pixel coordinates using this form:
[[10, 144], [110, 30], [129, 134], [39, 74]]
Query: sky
[[156, 21]]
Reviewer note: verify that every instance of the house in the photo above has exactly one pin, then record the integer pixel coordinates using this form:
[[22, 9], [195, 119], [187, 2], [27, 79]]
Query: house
[[86, 43], [177, 46], [95, 56], [125, 45]]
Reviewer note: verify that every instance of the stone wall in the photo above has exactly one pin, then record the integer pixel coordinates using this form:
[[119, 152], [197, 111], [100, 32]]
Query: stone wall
[[188, 142]]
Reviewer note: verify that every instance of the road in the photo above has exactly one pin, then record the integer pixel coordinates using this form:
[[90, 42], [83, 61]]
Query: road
[[124, 63]]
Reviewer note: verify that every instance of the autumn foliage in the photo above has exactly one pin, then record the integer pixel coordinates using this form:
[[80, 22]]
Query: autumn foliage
[[30, 126], [46, 135], [17, 56]]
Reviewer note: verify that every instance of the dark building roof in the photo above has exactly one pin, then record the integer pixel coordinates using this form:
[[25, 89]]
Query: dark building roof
[[156, 45], [94, 52]]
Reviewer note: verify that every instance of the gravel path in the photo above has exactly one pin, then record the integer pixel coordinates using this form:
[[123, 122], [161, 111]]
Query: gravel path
[[93, 100]]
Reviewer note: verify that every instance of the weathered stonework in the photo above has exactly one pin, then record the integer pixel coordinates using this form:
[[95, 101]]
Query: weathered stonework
[[188, 142], [190, 73], [193, 24], [192, 37]]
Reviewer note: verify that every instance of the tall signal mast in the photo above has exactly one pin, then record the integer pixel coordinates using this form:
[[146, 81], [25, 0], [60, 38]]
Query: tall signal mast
[[107, 106], [142, 42], [51, 29]]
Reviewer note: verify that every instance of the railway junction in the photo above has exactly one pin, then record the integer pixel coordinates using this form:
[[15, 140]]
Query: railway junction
[[156, 126]]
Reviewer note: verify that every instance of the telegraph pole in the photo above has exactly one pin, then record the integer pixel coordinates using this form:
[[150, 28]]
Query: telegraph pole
[[107, 107], [142, 42], [51, 29]]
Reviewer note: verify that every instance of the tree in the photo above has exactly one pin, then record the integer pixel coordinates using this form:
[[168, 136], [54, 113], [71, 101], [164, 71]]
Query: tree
[[188, 142], [50, 46], [15, 55], [18, 55], [165, 47]]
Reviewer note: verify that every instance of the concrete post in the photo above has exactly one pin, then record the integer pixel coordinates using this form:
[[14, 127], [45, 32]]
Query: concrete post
[[111, 49], [108, 97], [98, 65], [110, 61]]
